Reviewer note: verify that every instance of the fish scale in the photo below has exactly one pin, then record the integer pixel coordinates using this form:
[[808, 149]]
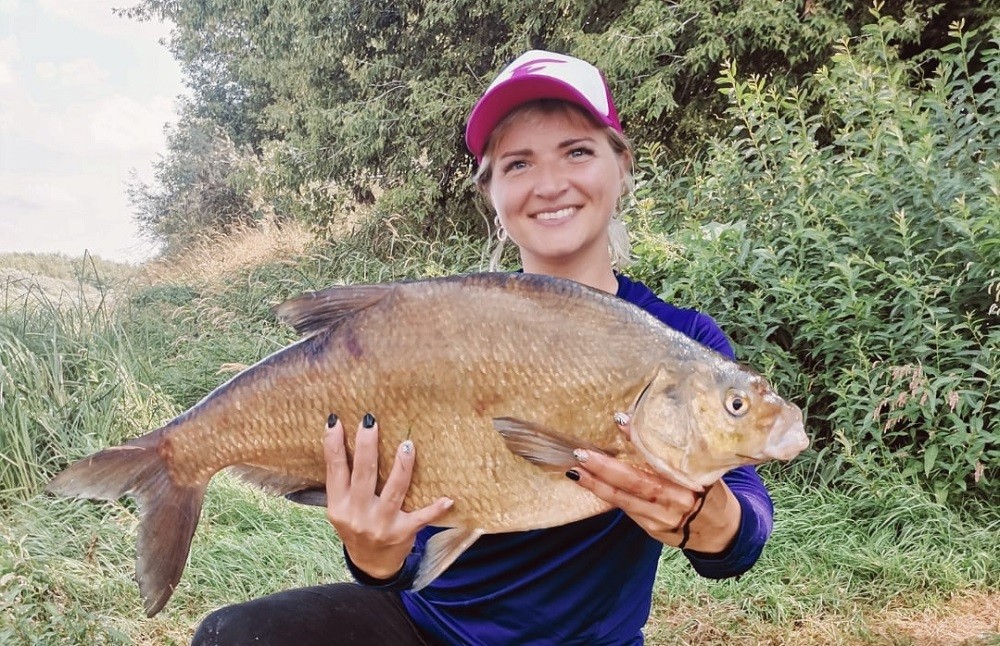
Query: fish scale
[[496, 378]]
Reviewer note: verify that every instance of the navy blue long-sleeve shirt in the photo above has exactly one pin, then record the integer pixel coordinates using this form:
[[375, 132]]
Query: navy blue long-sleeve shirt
[[588, 582]]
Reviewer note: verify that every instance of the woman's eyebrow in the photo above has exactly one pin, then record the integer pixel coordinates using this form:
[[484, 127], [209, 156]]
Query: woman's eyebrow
[[572, 142], [523, 152]]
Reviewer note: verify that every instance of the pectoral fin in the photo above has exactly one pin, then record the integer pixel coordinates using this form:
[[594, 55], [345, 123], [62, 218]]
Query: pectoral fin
[[314, 496], [540, 445], [441, 551], [274, 482]]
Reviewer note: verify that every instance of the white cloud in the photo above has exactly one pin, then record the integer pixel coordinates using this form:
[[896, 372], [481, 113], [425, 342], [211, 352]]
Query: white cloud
[[123, 124], [9, 54], [68, 213], [84, 97], [81, 72], [98, 15]]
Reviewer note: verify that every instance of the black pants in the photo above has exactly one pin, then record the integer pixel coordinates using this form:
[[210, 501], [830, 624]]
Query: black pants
[[340, 613]]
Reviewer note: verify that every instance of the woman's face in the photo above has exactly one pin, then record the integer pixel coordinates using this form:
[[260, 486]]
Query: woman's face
[[555, 184]]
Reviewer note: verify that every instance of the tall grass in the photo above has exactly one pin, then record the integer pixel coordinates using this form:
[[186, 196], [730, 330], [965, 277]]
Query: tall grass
[[839, 564], [70, 382], [841, 568], [66, 567]]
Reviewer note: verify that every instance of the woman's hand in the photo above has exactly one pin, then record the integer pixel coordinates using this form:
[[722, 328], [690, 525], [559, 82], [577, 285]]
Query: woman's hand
[[377, 534], [659, 505]]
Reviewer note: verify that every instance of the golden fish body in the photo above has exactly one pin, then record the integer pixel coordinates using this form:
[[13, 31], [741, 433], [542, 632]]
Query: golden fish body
[[434, 362], [496, 378]]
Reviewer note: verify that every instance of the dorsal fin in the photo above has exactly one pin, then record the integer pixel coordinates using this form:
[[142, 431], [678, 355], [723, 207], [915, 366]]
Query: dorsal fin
[[314, 311]]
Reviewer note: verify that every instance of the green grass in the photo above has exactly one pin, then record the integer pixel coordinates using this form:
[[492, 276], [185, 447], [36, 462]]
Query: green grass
[[838, 560], [66, 566]]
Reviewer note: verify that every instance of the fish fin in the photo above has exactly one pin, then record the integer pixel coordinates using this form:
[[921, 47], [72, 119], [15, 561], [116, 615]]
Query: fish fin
[[168, 513], [273, 482], [441, 551], [313, 496], [540, 445], [315, 311]]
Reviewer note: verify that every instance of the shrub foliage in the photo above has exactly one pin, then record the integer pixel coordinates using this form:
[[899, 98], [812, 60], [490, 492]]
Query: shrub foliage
[[847, 233]]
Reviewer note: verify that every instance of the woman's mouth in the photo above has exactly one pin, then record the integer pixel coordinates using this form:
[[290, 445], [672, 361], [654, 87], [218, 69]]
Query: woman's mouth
[[556, 215]]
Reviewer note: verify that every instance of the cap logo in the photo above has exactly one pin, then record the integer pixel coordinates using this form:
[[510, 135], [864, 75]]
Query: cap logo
[[534, 67], [580, 75]]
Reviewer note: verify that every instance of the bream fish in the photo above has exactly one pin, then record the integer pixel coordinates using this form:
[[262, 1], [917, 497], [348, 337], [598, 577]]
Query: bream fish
[[496, 378]]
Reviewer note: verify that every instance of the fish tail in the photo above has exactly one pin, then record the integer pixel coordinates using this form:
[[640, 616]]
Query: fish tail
[[168, 513]]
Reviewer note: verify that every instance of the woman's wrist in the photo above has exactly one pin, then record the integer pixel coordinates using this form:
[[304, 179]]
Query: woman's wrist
[[715, 527], [372, 576]]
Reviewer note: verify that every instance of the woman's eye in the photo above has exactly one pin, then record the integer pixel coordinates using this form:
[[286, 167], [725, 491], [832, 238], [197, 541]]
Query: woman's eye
[[577, 153], [516, 164]]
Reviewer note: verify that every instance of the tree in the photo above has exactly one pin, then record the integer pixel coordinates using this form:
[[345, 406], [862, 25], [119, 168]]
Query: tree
[[359, 95], [197, 193]]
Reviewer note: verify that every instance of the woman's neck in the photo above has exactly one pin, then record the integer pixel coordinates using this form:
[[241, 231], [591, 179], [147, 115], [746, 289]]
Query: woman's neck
[[597, 275]]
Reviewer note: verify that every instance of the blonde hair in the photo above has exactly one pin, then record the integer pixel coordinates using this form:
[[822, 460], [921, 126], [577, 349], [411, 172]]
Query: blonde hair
[[618, 240]]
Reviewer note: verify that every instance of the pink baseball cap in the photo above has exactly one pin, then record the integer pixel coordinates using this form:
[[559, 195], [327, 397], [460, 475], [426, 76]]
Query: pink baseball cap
[[539, 75]]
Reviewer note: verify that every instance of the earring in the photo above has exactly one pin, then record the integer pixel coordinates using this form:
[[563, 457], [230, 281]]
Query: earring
[[501, 233]]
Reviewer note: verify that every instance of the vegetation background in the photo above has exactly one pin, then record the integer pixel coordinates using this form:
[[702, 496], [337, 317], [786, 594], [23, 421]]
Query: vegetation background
[[822, 177]]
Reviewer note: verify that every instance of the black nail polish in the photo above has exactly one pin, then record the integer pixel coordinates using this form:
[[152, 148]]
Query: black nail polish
[[573, 475], [331, 421], [368, 421]]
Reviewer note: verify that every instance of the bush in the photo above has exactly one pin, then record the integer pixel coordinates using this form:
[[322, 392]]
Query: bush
[[847, 235]]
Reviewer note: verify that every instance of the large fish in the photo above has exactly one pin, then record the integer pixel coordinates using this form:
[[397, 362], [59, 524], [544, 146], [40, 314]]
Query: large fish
[[495, 377]]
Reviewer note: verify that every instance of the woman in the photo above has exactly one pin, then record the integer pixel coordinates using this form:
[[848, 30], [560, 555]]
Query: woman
[[554, 164]]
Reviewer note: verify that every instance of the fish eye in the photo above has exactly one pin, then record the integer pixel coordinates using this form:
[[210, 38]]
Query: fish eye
[[737, 403]]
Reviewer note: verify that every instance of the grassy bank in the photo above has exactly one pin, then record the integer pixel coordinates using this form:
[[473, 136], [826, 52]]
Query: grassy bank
[[884, 566], [874, 562]]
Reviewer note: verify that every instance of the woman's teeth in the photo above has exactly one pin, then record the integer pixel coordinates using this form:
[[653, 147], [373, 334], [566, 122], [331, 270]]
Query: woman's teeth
[[555, 215]]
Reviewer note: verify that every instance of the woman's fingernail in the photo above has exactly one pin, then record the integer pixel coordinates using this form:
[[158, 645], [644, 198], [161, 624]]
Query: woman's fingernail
[[448, 502], [580, 455], [368, 421], [621, 419], [573, 475], [331, 421], [406, 447]]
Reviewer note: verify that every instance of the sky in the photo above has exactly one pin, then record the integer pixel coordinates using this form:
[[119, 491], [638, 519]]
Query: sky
[[85, 96]]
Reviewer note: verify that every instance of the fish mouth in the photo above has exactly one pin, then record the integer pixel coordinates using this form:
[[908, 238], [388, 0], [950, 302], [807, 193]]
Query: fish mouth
[[787, 437]]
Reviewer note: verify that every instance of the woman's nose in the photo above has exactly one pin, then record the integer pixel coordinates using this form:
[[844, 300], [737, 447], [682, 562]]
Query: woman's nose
[[549, 181]]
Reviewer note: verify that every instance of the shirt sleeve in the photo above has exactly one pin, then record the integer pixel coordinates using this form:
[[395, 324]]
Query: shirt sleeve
[[756, 522]]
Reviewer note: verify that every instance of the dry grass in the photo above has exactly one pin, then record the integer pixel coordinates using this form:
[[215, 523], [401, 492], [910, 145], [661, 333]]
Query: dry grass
[[19, 287], [214, 260], [969, 619], [59, 265]]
